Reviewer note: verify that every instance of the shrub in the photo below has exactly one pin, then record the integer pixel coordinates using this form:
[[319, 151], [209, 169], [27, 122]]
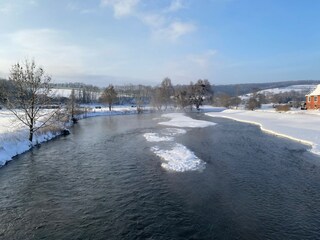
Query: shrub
[[283, 108]]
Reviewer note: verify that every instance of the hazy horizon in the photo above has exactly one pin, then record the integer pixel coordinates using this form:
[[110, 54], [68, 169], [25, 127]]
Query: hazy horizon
[[143, 41]]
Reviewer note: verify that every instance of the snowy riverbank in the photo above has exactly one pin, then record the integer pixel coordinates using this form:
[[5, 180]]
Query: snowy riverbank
[[302, 126], [14, 135]]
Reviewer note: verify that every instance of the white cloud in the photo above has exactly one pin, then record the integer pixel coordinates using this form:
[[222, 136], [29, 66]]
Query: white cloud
[[47, 46], [174, 31], [175, 6], [46, 43], [6, 8], [202, 60], [161, 25], [60, 56], [153, 20], [121, 7], [191, 67], [16, 7]]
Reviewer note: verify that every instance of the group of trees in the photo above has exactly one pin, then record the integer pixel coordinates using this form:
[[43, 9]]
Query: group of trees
[[161, 97]]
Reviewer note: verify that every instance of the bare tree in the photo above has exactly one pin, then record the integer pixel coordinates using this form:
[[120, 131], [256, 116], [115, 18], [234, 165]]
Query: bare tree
[[109, 95], [31, 93], [182, 98], [166, 92], [156, 98], [72, 104]]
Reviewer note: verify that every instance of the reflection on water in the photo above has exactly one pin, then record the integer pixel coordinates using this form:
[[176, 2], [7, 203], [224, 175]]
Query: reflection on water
[[104, 182]]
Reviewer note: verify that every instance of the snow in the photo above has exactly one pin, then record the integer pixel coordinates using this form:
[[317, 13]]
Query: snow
[[179, 159], [155, 137], [61, 92], [14, 143], [66, 92], [166, 135], [180, 120], [298, 88], [302, 126], [315, 92]]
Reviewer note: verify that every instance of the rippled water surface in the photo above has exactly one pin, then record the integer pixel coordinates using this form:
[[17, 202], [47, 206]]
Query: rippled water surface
[[104, 182]]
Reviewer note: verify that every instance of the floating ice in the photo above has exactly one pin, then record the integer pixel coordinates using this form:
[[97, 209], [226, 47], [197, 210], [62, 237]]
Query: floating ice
[[179, 159], [180, 120], [155, 137], [173, 131], [166, 135]]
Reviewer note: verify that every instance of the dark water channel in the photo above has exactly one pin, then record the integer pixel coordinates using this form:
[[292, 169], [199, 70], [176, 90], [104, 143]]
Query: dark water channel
[[103, 182]]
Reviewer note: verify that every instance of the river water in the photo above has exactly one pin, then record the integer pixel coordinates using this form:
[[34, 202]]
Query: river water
[[104, 182]]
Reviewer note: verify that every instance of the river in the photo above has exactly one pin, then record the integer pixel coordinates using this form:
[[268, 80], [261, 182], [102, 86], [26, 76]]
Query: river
[[103, 181]]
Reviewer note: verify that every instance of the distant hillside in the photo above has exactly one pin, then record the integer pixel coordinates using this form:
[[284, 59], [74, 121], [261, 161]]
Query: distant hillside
[[241, 89]]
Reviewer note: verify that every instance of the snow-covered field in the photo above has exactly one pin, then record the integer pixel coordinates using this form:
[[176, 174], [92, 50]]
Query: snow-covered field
[[298, 88], [66, 92], [302, 126], [61, 92]]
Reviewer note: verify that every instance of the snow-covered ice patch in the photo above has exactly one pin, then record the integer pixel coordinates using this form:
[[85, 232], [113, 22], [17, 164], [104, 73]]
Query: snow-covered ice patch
[[173, 131], [180, 120], [179, 159], [155, 137], [166, 135]]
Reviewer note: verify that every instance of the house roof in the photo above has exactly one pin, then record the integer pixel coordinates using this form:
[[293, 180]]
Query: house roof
[[315, 92]]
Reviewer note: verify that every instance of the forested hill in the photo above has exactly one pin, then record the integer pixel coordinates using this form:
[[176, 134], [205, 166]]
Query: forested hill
[[230, 89], [240, 89]]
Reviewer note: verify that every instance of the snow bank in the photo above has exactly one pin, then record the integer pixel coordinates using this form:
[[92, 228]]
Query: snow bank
[[14, 135], [302, 126], [17, 143], [180, 120], [179, 159]]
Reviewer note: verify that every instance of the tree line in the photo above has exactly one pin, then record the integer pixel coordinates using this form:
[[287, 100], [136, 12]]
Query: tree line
[[28, 92]]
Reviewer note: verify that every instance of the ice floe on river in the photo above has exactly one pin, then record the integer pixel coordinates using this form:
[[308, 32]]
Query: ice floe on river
[[179, 159], [155, 137], [180, 120], [166, 135], [176, 157]]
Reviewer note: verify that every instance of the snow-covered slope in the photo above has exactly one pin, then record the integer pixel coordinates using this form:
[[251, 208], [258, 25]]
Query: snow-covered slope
[[298, 88]]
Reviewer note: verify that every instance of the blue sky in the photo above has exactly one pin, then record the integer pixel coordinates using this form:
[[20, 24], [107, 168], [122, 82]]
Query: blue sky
[[144, 41]]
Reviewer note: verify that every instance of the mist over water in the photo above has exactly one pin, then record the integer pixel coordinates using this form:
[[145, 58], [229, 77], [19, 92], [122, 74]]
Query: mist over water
[[104, 182]]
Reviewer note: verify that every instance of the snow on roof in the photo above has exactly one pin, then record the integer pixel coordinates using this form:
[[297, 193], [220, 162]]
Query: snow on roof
[[315, 92]]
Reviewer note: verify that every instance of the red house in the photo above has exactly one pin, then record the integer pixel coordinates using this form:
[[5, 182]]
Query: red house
[[313, 99]]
